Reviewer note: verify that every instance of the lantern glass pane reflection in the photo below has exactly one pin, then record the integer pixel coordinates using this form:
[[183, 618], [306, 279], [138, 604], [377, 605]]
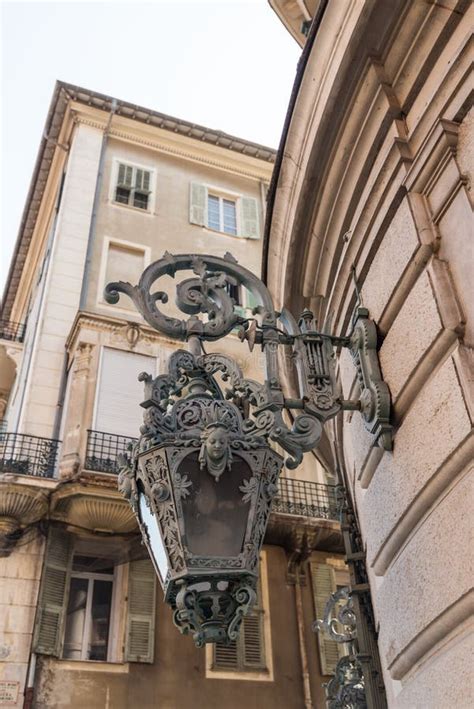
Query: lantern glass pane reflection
[[156, 543], [215, 516]]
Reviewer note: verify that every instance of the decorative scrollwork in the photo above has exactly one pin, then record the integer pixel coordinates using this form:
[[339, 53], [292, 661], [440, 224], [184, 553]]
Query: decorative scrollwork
[[346, 690], [207, 293], [339, 605], [375, 396], [213, 614]]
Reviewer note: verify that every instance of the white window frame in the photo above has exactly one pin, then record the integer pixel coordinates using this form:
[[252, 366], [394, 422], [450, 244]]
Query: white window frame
[[214, 191], [259, 675], [116, 162], [229, 198], [111, 641], [131, 246]]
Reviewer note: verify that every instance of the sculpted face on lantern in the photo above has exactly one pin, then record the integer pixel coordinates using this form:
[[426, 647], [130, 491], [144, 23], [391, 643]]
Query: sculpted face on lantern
[[215, 454]]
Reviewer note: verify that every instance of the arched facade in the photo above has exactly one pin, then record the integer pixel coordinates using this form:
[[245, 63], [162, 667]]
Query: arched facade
[[371, 198]]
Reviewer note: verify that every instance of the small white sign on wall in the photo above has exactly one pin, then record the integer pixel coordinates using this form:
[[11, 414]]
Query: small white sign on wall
[[9, 692]]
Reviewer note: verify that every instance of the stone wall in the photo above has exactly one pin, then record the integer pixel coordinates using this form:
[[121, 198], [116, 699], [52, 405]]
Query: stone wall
[[376, 178]]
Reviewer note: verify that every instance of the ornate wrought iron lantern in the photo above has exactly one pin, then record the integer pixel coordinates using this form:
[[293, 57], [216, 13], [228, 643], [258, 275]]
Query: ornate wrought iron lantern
[[202, 476]]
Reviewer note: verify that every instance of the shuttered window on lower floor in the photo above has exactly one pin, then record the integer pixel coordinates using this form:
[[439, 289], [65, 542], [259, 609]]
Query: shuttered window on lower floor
[[323, 580], [247, 653], [77, 611]]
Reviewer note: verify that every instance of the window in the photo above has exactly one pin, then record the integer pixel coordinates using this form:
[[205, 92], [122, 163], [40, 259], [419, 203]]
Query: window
[[119, 393], [231, 214], [244, 300], [248, 651], [121, 261], [87, 630], [81, 601], [133, 186], [249, 657], [326, 579], [221, 214]]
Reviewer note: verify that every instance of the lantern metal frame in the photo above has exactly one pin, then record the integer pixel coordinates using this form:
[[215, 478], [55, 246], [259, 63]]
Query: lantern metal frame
[[211, 594]]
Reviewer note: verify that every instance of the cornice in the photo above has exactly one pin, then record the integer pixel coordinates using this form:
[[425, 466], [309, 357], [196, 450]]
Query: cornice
[[175, 144]]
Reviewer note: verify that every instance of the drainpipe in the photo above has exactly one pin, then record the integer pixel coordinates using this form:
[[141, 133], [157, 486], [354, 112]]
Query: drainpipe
[[60, 402], [308, 702], [30, 682], [95, 209]]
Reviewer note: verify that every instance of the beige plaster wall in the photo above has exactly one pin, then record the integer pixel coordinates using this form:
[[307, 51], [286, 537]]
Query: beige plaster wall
[[167, 227], [20, 576]]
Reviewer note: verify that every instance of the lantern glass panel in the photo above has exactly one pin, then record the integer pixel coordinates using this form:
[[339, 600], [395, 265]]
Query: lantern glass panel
[[156, 543], [215, 515]]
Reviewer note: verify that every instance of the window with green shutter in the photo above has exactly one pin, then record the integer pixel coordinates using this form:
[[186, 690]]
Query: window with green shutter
[[141, 612], [133, 186], [53, 593], [249, 218], [227, 213], [324, 583]]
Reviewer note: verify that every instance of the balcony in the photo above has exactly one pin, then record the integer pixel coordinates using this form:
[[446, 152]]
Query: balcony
[[11, 331], [102, 451], [28, 455], [306, 499], [295, 497]]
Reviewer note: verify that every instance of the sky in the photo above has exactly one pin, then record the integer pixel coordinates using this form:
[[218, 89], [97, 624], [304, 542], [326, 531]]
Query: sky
[[226, 64]]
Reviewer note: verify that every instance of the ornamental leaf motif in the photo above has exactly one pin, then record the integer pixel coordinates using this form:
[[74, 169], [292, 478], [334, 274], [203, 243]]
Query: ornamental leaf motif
[[182, 485], [249, 488]]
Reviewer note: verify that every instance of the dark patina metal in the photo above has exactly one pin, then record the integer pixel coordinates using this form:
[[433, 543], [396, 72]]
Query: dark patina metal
[[202, 477]]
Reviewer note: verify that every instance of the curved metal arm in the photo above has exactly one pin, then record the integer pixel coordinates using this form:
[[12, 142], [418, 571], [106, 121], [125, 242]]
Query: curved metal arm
[[206, 293]]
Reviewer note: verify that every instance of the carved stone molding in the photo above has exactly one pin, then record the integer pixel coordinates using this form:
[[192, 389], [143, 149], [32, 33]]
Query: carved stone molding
[[14, 351], [20, 506], [96, 510]]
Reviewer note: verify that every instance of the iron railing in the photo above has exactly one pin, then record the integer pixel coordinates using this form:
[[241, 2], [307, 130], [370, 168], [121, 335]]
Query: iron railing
[[13, 331], [28, 455], [102, 450], [295, 497], [302, 497]]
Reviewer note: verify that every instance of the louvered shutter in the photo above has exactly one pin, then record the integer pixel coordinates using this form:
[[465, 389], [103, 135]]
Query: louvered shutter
[[324, 583], [53, 593], [198, 204], [142, 180], [141, 612], [226, 656], [252, 636], [119, 393], [249, 218], [248, 651], [125, 174]]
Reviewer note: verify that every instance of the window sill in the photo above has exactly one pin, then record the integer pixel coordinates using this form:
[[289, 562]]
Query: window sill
[[131, 208], [245, 675], [223, 233], [94, 666]]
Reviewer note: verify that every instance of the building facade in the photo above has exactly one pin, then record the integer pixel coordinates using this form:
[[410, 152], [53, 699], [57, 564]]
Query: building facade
[[371, 205], [83, 623]]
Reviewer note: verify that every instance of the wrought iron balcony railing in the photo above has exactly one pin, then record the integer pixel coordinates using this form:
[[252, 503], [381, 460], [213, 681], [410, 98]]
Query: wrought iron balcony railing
[[302, 497], [13, 331], [295, 497], [28, 455], [102, 450]]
